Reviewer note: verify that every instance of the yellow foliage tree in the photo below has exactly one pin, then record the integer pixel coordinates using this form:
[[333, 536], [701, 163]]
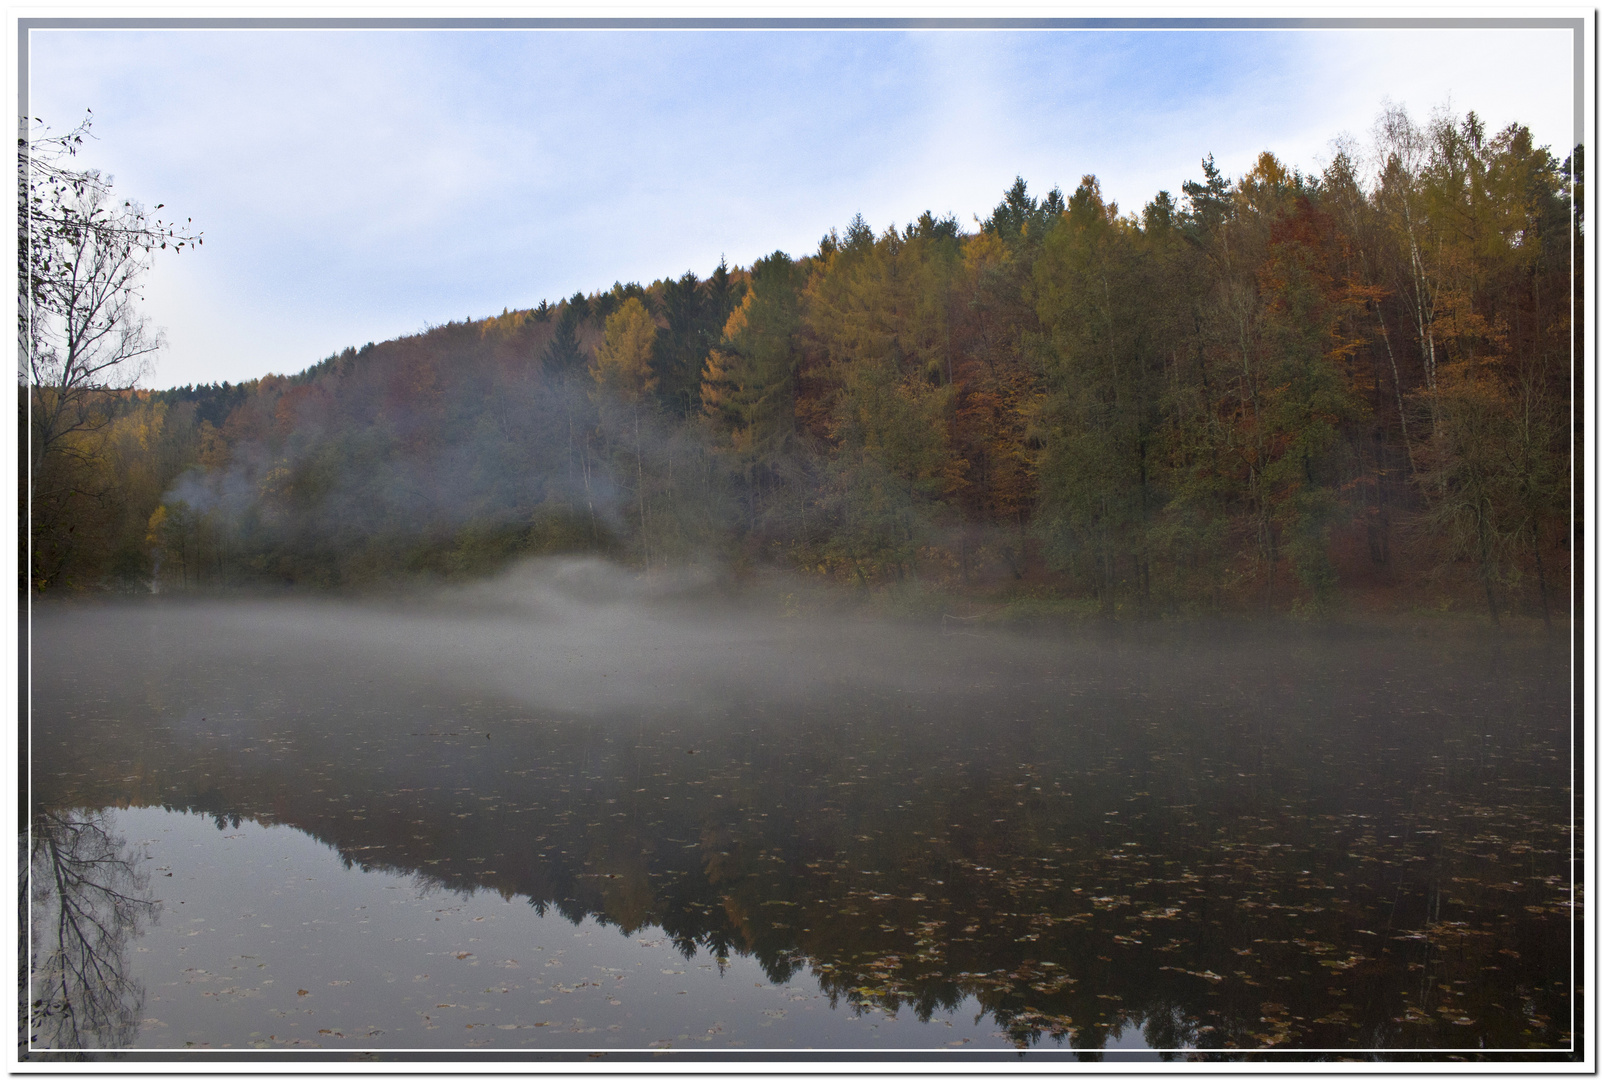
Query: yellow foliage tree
[[623, 361], [877, 311], [622, 370]]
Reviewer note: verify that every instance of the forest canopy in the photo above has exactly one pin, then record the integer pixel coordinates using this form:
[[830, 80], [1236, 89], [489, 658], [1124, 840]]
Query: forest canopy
[[1271, 392]]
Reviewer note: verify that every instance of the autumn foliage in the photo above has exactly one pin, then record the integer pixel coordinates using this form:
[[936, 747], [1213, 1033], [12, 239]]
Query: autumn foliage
[[1270, 393]]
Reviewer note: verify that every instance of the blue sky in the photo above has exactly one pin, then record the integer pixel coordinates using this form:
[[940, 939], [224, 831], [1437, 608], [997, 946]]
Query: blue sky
[[356, 185]]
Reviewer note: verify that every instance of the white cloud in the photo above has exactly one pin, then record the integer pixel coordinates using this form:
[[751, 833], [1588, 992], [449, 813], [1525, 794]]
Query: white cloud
[[355, 185]]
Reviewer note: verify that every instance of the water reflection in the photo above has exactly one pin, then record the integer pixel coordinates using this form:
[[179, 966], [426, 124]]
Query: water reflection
[[1356, 846], [270, 943], [89, 900]]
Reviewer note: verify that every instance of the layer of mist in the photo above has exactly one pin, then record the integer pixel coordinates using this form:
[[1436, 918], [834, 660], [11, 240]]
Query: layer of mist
[[1080, 828]]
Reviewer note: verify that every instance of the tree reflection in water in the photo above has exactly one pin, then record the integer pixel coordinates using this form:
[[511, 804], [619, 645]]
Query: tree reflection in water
[[89, 899], [1311, 841]]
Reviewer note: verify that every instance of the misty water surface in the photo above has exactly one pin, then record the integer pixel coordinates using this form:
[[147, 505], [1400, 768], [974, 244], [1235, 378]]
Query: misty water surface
[[376, 825]]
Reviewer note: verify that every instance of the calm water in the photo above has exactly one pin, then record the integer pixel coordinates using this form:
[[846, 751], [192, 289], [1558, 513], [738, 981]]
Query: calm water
[[561, 813]]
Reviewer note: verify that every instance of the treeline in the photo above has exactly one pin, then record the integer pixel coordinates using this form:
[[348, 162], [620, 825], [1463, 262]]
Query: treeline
[[1266, 393]]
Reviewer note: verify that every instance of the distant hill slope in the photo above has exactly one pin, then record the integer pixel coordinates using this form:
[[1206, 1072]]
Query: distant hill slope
[[1279, 391]]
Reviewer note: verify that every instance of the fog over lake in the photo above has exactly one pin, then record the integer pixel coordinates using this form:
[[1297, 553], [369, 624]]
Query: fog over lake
[[578, 809]]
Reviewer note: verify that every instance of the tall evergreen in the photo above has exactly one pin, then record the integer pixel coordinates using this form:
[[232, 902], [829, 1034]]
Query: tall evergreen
[[563, 354]]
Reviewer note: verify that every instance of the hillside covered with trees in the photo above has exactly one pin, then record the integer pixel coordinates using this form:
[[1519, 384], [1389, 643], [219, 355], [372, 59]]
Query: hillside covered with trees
[[1273, 392]]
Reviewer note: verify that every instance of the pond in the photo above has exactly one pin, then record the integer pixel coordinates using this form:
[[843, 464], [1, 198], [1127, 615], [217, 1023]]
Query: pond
[[568, 813]]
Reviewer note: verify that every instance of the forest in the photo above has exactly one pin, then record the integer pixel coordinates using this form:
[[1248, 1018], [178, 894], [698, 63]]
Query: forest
[[1280, 392]]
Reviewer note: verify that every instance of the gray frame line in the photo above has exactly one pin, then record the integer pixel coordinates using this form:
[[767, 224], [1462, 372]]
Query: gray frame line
[[1576, 25]]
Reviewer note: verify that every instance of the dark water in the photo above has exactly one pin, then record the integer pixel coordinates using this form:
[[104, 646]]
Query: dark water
[[560, 813]]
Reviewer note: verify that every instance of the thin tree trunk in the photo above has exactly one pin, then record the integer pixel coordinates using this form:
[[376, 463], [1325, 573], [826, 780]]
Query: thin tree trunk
[[1396, 381], [639, 487], [1485, 567], [584, 470], [1540, 577]]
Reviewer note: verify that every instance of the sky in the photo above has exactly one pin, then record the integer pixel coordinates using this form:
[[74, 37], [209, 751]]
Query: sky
[[360, 185]]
